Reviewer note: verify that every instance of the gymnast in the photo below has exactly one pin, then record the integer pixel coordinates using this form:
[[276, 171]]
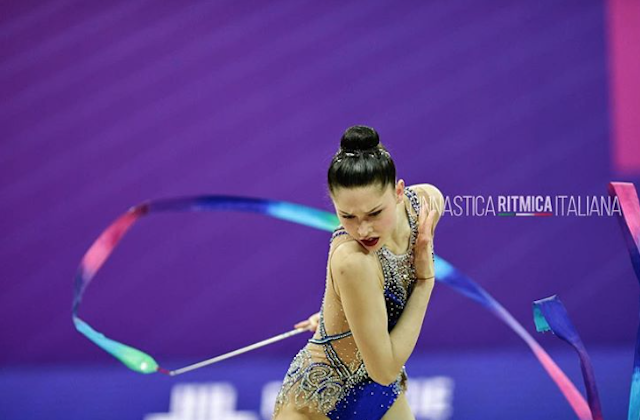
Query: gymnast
[[380, 275]]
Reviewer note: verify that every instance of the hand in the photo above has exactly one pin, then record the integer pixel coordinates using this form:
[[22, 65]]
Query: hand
[[423, 254], [310, 323]]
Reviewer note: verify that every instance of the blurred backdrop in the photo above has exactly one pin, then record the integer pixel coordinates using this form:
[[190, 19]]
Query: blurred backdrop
[[108, 104]]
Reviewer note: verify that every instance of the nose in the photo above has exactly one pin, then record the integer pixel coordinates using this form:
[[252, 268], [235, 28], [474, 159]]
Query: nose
[[364, 229]]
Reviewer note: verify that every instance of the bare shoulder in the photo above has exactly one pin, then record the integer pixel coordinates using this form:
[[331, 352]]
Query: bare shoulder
[[350, 256], [433, 197], [430, 192], [350, 263]]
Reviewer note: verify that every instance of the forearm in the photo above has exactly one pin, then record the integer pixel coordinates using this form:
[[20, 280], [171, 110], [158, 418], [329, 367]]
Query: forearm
[[404, 335]]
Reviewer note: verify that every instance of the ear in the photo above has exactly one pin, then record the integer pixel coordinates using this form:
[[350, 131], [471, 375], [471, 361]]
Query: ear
[[400, 190]]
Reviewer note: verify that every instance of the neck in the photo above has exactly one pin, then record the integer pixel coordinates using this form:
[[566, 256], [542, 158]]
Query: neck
[[401, 234]]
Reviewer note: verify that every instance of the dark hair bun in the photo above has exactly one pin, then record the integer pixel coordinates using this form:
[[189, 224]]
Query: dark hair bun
[[359, 137]]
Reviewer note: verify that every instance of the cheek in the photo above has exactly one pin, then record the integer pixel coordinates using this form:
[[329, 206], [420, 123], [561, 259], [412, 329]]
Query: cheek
[[350, 226], [387, 223]]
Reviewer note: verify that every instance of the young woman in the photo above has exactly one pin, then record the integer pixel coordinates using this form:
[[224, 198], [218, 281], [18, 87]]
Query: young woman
[[380, 275]]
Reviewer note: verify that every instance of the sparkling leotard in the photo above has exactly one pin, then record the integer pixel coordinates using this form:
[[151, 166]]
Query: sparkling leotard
[[328, 375]]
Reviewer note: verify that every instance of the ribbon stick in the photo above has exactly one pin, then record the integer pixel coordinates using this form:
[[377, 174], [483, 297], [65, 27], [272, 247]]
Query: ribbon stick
[[629, 220], [237, 352], [549, 314], [139, 361]]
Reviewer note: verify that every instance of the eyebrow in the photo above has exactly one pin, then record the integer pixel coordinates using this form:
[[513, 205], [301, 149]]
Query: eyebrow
[[370, 211]]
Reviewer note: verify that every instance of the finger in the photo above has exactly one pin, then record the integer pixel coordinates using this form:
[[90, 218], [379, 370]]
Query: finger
[[301, 324], [430, 222], [424, 229], [433, 224], [422, 215]]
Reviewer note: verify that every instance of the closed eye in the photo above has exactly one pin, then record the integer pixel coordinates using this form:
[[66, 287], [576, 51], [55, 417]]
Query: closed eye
[[374, 214]]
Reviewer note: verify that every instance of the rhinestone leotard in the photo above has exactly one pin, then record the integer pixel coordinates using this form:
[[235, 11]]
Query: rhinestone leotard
[[328, 375]]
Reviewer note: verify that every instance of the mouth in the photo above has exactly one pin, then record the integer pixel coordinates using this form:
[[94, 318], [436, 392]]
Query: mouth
[[369, 242]]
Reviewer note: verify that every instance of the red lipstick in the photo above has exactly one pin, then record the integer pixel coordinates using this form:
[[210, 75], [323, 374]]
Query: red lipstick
[[369, 242]]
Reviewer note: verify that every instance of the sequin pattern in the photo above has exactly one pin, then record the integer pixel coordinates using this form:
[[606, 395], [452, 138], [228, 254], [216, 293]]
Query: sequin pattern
[[323, 382]]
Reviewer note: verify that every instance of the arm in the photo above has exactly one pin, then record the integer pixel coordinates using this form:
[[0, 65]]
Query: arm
[[434, 198], [355, 275], [406, 332], [384, 354]]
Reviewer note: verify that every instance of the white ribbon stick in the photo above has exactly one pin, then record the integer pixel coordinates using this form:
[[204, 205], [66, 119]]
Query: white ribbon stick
[[237, 352]]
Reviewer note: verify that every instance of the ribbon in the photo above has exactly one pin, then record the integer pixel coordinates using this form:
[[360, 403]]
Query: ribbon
[[629, 220], [549, 314], [142, 362]]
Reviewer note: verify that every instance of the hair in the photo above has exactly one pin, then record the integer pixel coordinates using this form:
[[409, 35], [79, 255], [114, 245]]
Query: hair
[[361, 161]]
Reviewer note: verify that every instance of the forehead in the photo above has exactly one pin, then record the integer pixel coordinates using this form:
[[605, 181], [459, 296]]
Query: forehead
[[360, 199]]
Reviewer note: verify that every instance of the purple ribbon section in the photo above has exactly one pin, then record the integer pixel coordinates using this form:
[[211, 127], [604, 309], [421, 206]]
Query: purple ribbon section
[[551, 315], [629, 220]]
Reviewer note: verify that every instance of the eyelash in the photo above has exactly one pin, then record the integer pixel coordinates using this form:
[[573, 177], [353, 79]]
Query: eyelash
[[374, 214]]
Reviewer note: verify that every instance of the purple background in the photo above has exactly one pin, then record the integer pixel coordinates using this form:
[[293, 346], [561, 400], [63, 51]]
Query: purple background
[[106, 104]]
